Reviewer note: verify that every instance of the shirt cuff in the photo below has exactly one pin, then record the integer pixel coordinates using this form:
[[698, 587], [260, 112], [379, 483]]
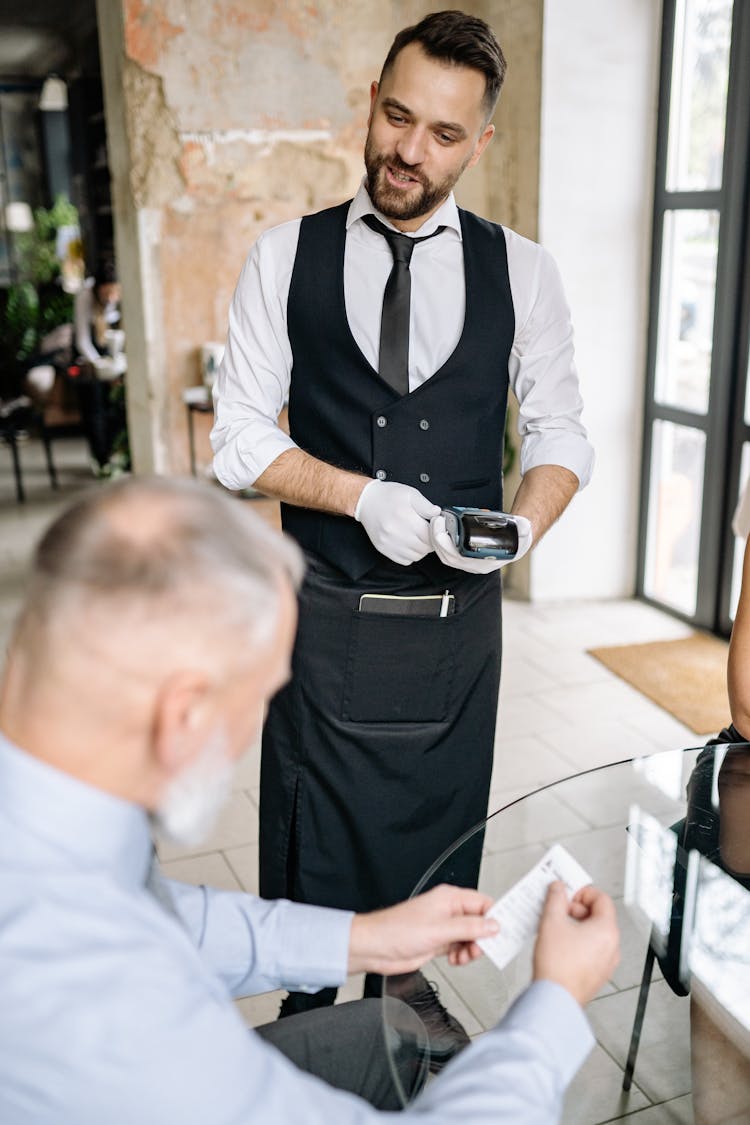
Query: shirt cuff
[[570, 451], [558, 1020], [238, 468], [312, 944]]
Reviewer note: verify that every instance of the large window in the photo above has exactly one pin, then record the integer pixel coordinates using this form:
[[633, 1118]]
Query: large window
[[20, 164], [697, 416]]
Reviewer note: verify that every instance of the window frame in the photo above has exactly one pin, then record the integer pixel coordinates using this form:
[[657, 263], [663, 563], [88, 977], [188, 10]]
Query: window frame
[[723, 424]]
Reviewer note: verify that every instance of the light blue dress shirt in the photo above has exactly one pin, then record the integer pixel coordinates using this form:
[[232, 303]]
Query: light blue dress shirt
[[115, 1012]]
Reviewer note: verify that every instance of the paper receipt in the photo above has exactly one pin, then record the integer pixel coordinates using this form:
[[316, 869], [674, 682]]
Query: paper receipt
[[519, 910]]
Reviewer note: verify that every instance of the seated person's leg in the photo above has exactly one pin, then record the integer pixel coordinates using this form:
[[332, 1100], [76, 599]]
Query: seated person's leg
[[295, 1003], [345, 1046]]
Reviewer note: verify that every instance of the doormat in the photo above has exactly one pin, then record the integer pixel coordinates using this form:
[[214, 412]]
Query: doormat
[[688, 677]]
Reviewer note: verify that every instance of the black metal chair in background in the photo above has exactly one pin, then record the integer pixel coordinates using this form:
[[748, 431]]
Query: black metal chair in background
[[669, 960], [17, 418]]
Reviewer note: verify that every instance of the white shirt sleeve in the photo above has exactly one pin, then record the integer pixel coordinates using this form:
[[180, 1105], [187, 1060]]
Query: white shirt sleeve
[[190, 1060], [82, 315], [252, 384], [542, 368], [256, 946]]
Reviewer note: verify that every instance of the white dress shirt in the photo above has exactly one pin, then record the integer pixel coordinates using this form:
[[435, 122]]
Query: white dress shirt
[[114, 1010], [253, 381], [83, 315]]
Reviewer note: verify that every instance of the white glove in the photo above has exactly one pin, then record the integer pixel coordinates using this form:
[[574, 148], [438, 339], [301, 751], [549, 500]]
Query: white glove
[[448, 553], [396, 517], [108, 368]]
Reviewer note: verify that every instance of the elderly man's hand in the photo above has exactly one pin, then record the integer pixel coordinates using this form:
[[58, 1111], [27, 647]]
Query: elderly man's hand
[[402, 938], [578, 944]]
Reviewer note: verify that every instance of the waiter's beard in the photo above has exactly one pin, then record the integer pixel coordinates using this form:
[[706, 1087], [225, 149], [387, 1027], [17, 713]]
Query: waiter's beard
[[192, 801], [412, 202]]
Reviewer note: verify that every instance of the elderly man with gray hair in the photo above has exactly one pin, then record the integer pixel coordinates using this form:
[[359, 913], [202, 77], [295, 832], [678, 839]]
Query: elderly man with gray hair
[[158, 621]]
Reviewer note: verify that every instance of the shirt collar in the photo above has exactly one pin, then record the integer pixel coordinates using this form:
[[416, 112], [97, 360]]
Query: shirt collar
[[94, 829], [446, 214]]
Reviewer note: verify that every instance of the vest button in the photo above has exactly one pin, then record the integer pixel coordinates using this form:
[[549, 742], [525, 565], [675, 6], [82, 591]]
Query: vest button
[[425, 478], [381, 421], [424, 424], [381, 474]]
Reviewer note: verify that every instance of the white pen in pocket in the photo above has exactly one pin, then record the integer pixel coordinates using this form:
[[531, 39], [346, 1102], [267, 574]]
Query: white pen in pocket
[[446, 601]]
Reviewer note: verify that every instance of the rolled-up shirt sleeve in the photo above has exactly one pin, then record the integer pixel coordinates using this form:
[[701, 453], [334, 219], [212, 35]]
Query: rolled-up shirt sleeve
[[542, 368], [252, 384]]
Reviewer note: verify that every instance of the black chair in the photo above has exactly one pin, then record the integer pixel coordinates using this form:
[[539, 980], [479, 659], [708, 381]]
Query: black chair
[[17, 418], [669, 960]]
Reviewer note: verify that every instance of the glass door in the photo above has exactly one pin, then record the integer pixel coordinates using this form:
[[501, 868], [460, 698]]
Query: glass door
[[690, 476]]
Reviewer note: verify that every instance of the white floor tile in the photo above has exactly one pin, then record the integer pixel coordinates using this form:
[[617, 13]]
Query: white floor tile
[[543, 819], [662, 730], [601, 851], [587, 742], [501, 797], [662, 1068], [500, 870], [595, 1094], [570, 668], [521, 677], [612, 700], [247, 770], [603, 805], [352, 990], [244, 863], [212, 869], [257, 1010], [679, 1111], [526, 763], [526, 716]]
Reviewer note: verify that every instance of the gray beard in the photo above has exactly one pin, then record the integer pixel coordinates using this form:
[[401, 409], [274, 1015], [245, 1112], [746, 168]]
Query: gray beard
[[193, 800]]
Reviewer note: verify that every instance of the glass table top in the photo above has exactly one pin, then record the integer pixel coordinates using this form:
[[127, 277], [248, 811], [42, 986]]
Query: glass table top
[[668, 837]]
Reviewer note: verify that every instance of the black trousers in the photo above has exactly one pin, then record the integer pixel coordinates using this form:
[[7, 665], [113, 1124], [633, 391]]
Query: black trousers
[[346, 1046]]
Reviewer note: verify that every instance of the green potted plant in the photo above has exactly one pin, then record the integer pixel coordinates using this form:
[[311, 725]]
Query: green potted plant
[[37, 303]]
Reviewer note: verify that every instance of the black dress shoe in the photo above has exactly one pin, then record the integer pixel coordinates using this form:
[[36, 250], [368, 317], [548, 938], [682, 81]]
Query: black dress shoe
[[446, 1035]]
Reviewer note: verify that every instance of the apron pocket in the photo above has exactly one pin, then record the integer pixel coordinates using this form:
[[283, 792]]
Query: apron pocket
[[399, 669]]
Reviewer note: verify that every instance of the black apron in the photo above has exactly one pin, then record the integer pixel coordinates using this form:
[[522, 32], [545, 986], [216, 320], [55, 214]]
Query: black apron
[[378, 754]]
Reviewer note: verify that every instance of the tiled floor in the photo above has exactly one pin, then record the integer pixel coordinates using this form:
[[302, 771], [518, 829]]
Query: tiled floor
[[560, 712]]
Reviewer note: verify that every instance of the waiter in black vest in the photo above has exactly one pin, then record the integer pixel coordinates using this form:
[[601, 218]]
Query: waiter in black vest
[[393, 324]]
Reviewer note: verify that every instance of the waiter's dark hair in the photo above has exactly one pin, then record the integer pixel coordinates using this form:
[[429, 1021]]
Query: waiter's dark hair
[[106, 273], [461, 40]]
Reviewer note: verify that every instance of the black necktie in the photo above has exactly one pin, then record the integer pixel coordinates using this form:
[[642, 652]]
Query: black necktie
[[393, 360]]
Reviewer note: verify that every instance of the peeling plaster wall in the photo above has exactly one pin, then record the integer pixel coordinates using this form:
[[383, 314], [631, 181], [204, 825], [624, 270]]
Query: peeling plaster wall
[[228, 117]]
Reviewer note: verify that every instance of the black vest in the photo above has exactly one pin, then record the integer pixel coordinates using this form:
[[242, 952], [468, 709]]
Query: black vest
[[445, 438]]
